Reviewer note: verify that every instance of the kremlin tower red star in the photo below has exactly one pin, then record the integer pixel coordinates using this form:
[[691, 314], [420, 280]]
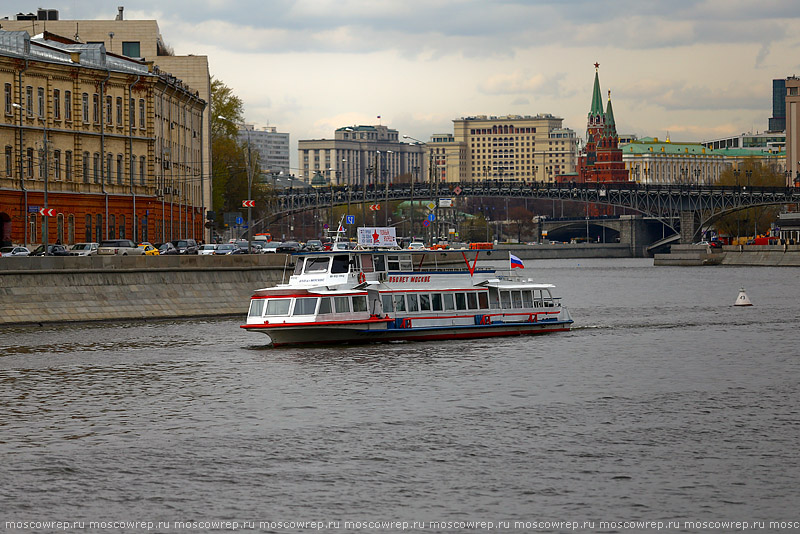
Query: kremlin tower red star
[[601, 159]]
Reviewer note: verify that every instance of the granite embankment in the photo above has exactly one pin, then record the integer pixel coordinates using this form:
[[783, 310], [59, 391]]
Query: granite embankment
[[746, 255], [63, 289]]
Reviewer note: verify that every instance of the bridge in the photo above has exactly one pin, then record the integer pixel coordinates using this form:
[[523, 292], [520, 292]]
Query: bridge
[[685, 209]]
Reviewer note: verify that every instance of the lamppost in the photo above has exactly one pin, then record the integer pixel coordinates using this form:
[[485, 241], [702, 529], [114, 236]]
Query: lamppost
[[249, 185], [416, 169], [46, 172]]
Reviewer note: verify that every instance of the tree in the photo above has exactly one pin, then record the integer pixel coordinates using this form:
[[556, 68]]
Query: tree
[[749, 174]]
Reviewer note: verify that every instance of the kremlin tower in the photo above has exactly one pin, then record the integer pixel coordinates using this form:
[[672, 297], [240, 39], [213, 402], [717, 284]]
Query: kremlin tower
[[601, 159]]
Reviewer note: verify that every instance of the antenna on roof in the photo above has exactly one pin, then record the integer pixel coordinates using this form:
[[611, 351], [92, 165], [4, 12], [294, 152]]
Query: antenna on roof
[[77, 37]]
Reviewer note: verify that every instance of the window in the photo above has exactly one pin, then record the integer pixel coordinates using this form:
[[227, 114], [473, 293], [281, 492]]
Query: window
[[437, 301], [133, 168], [317, 265], [132, 112], [119, 112], [29, 101], [505, 299], [141, 114], [7, 95], [40, 100], [68, 165], [120, 167], [68, 105], [9, 160], [366, 263], [342, 304], [527, 301], [472, 301], [449, 301], [278, 306], [483, 300], [85, 107], [71, 229], [57, 104], [388, 303], [516, 297], [96, 108], [461, 301], [98, 228], [131, 49], [256, 308], [360, 303], [399, 303], [109, 162], [122, 227], [57, 164], [88, 232], [413, 305], [142, 167], [380, 263], [325, 305], [341, 263], [29, 152], [111, 222], [305, 306], [424, 302], [108, 109], [96, 167], [86, 170]]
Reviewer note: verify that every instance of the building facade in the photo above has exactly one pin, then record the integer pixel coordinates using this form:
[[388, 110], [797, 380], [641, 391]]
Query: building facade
[[272, 148], [363, 155], [793, 130], [650, 161], [136, 39], [107, 142]]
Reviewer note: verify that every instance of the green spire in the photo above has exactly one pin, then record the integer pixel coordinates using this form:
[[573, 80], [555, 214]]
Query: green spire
[[597, 99], [610, 125]]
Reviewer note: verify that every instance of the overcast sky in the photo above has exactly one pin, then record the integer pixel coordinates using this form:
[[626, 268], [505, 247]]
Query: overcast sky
[[694, 69]]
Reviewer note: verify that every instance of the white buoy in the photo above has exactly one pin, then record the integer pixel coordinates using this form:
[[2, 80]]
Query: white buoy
[[742, 299]]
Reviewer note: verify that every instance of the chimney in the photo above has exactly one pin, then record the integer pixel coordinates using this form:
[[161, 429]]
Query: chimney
[[119, 12]]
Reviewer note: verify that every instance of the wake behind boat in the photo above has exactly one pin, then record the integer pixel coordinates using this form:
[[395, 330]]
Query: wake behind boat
[[359, 296]]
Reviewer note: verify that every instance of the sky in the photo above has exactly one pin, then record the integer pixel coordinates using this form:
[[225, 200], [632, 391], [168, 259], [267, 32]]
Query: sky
[[690, 70]]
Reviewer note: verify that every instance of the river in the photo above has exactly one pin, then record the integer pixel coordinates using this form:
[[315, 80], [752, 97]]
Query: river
[[664, 403]]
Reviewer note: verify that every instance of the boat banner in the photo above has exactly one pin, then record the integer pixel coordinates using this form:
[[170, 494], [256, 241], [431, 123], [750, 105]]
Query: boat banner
[[377, 236]]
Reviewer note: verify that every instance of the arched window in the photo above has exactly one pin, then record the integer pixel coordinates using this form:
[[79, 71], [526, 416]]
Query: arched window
[[71, 229], [60, 228], [122, 227], [88, 232], [111, 222], [98, 230]]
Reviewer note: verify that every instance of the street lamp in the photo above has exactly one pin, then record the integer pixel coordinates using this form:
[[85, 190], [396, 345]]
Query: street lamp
[[45, 229], [249, 186]]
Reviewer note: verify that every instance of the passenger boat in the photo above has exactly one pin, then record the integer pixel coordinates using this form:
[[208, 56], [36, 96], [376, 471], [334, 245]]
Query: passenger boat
[[358, 296]]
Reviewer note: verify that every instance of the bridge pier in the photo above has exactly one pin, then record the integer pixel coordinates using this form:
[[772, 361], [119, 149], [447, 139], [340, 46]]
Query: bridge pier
[[690, 221]]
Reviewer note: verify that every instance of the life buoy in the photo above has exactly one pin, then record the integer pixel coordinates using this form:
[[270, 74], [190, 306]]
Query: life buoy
[[361, 278]]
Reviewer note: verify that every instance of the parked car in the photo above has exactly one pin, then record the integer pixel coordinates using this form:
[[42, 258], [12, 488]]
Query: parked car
[[52, 250], [715, 244], [84, 249], [186, 246], [225, 248], [7, 252], [167, 249], [271, 247], [149, 249], [416, 245], [313, 245], [119, 247], [288, 247], [207, 249]]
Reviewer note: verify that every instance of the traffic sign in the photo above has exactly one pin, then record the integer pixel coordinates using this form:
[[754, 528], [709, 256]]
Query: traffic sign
[[325, 226], [457, 190], [375, 207], [33, 209], [239, 220], [47, 212], [248, 203], [351, 219], [431, 217], [431, 205], [426, 222]]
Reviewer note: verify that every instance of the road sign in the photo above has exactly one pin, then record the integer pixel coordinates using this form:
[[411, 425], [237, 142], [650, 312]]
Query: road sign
[[248, 203], [325, 226], [445, 202], [239, 220], [375, 207], [431, 217], [47, 212], [426, 222], [33, 209], [351, 219], [457, 190], [431, 205]]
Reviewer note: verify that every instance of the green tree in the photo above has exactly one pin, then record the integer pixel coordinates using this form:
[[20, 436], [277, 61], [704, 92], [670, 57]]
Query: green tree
[[749, 174]]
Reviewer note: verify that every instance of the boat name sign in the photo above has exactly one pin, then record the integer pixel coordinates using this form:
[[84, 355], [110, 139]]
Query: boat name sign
[[377, 236], [412, 279]]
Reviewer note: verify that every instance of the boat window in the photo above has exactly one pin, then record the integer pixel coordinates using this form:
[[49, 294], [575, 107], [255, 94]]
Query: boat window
[[305, 306], [400, 303], [317, 264], [437, 301], [483, 300], [359, 303], [461, 301], [537, 298], [380, 262], [393, 262], [405, 263], [527, 301], [449, 302], [516, 296], [412, 303], [366, 263], [494, 297], [425, 302], [278, 306], [298, 267], [256, 308], [505, 299], [325, 305], [340, 264], [342, 304], [388, 303], [472, 300], [548, 299]]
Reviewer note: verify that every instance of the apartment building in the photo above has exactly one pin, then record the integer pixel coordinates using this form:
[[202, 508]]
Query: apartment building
[[271, 146]]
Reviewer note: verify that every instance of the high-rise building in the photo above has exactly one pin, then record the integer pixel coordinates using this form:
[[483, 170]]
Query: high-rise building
[[793, 130], [777, 123], [272, 148]]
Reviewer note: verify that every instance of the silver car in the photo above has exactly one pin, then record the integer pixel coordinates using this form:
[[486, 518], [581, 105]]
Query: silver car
[[14, 251], [207, 249], [84, 249], [120, 247]]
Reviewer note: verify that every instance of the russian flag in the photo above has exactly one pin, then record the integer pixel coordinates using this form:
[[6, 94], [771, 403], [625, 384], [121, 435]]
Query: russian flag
[[516, 262]]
